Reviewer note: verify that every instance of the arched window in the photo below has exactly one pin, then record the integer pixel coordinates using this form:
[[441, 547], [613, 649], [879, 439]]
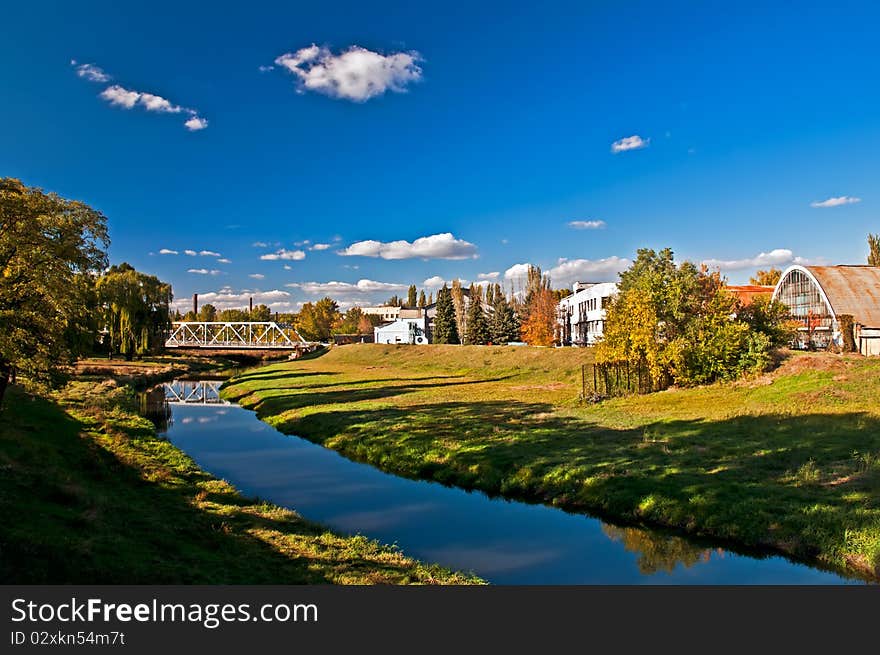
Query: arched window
[[805, 300]]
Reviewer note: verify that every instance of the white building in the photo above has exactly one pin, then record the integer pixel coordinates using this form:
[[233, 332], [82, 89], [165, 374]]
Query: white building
[[403, 330], [385, 312], [581, 316]]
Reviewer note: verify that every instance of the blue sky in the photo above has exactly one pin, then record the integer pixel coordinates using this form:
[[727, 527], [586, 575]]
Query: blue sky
[[494, 126]]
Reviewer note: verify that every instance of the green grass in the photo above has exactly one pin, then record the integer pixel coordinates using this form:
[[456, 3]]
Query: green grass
[[787, 461], [90, 494]]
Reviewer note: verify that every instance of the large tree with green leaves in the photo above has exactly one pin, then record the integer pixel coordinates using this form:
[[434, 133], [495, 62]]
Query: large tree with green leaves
[[316, 321], [445, 327], [50, 249], [135, 310]]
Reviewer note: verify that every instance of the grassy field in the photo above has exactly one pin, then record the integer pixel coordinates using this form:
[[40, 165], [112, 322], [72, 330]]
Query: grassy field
[[788, 461], [90, 494]]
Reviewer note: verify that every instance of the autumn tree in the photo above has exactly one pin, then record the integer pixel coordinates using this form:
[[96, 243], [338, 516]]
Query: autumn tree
[[349, 322], [445, 327], [874, 250], [539, 310], [411, 296], [315, 321], [477, 325], [233, 315], [207, 312], [135, 310], [260, 313], [457, 294], [766, 278], [422, 300]]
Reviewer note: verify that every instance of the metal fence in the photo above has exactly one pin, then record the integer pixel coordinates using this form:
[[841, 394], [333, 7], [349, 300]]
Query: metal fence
[[616, 379]]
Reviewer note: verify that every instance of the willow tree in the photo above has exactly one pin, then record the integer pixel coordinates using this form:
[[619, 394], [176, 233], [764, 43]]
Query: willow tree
[[50, 248], [135, 309]]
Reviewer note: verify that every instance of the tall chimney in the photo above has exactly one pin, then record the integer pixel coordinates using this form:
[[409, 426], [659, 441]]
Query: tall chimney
[[251, 304], [195, 303]]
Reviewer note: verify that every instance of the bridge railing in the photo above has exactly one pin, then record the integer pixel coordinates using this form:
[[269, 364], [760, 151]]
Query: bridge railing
[[233, 334]]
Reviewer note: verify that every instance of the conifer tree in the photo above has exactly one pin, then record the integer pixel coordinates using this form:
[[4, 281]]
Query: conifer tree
[[477, 326], [445, 328], [431, 298], [490, 295], [422, 301], [505, 323], [411, 296], [458, 303]]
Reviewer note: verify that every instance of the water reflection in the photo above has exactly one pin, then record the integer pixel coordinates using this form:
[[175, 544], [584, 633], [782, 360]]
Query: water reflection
[[502, 541]]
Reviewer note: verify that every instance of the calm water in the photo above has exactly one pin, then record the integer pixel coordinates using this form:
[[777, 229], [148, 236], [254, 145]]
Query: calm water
[[502, 541]]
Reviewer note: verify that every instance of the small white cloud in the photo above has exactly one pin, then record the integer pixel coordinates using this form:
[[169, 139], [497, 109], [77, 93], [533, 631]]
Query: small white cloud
[[321, 246], [633, 142], [836, 202], [168, 251], [120, 97], [265, 69], [223, 260], [489, 276], [436, 246], [294, 255], [260, 244], [517, 272], [586, 225], [209, 253], [195, 123], [356, 74], [347, 288], [288, 267], [91, 72], [191, 253], [434, 282], [257, 276], [203, 271]]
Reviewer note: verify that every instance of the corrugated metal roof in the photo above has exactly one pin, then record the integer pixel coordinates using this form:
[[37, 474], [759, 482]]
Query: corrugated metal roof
[[852, 290]]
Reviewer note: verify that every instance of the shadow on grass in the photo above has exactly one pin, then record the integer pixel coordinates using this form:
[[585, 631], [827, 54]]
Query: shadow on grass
[[790, 483], [77, 512]]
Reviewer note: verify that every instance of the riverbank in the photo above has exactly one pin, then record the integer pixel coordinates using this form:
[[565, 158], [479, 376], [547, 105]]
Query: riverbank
[[90, 494], [788, 462]]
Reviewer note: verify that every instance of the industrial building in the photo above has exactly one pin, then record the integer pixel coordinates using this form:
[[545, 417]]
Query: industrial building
[[581, 316], [818, 296], [403, 330]]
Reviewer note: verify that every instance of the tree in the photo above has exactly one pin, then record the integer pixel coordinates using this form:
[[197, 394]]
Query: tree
[[394, 301], [539, 309], [135, 310], [411, 296], [505, 325], [457, 294], [260, 313], [207, 313], [477, 326], [431, 298], [445, 327], [50, 249], [367, 323], [349, 322], [316, 321], [233, 316], [422, 301], [874, 250], [766, 278]]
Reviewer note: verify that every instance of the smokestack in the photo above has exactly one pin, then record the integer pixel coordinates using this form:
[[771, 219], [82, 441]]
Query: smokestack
[[195, 303], [251, 304]]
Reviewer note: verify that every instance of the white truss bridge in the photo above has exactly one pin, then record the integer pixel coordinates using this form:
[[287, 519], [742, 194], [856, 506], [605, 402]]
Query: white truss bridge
[[193, 392], [244, 335]]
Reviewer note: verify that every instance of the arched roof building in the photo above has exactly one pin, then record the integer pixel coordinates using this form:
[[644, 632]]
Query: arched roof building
[[817, 295]]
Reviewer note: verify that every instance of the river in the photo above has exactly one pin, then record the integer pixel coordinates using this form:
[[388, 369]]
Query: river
[[504, 542]]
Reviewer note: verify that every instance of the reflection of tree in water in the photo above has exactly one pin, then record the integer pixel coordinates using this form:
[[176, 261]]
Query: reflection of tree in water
[[658, 552], [154, 406]]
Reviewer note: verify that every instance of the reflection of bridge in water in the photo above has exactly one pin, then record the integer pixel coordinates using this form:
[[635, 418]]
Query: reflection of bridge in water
[[193, 392]]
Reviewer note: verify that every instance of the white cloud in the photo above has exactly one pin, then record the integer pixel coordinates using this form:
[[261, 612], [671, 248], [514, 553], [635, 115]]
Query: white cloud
[[517, 272], [568, 271], [203, 271], [836, 202], [260, 244], [288, 267], [347, 288], [223, 260], [191, 253], [434, 282], [294, 255], [321, 246], [436, 246], [357, 74], [586, 225], [257, 276], [209, 253], [195, 123], [168, 251], [265, 69], [226, 298], [116, 95], [633, 142], [776, 257], [489, 276], [91, 72]]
